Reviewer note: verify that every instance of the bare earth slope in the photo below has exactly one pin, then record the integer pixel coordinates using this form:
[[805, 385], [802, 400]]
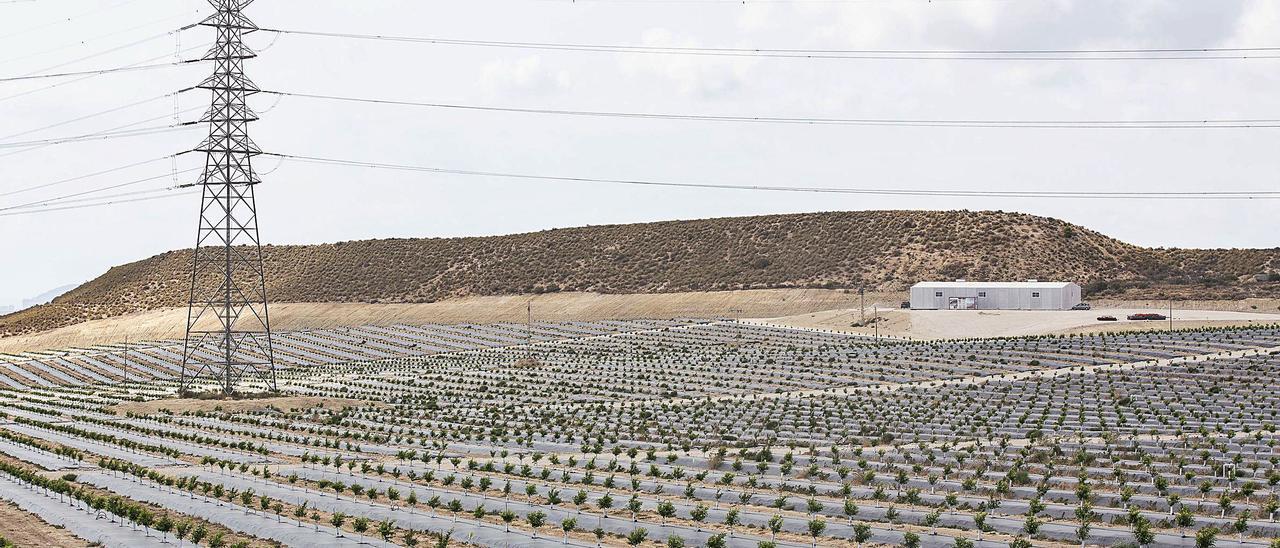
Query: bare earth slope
[[881, 250]]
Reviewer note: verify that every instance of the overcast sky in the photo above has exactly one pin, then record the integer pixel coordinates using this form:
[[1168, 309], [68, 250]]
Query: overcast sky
[[302, 203]]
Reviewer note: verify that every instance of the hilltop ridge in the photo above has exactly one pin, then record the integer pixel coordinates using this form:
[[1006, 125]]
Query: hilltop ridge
[[878, 250]]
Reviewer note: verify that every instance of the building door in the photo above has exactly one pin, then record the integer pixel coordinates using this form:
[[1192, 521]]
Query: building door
[[962, 303]]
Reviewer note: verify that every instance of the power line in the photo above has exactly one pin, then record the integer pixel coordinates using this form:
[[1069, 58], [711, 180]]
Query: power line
[[745, 2], [101, 135], [96, 204], [1144, 54], [101, 36], [72, 198], [109, 50], [98, 72], [40, 205], [65, 19], [900, 122], [1123, 195], [98, 37], [88, 176], [93, 115], [110, 132], [95, 75]]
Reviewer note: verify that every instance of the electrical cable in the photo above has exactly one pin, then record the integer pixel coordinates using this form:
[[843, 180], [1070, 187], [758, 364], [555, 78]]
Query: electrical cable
[[68, 19], [90, 175], [900, 122], [94, 115], [39, 205], [868, 54], [1203, 195], [54, 142], [96, 204], [70, 198], [101, 135], [746, 2], [90, 76], [107, 51], [101, 36], [98, 72]]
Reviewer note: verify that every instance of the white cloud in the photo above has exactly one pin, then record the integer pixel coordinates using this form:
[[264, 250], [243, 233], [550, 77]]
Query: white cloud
[[526, 75], [691, 75], [1259, 24], [756, 17]]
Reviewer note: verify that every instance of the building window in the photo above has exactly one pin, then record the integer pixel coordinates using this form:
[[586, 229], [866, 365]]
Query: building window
[[937, 293], [1035, 294], [982, 294]]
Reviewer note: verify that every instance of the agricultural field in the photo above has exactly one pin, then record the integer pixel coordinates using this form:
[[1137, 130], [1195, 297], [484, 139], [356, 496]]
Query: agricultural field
[[692, 432]]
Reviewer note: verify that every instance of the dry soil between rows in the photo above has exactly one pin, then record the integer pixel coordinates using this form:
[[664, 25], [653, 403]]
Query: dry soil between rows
[[26, 529]]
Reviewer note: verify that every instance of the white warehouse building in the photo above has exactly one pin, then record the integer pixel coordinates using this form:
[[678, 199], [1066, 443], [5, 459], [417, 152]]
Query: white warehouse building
[[964, 295]]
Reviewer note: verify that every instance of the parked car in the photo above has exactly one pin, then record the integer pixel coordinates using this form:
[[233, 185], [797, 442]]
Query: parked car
[[1082, 306], [1147, 317], [1107, 319], [906, 304]]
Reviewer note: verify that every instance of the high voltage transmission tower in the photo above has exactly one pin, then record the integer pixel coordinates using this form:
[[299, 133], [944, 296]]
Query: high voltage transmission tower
[[228, 329]]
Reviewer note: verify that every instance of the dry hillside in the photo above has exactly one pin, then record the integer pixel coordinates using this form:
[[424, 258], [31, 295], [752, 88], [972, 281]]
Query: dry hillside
[[882, 250]]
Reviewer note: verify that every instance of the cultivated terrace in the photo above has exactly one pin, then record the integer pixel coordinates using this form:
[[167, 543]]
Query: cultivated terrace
[[659, 433]]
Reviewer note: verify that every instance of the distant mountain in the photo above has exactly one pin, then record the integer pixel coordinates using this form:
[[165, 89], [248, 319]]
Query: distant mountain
[[46, 297], [883, 250]]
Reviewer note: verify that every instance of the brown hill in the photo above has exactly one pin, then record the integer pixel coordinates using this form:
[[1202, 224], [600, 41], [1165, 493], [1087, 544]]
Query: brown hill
[[882, 250]]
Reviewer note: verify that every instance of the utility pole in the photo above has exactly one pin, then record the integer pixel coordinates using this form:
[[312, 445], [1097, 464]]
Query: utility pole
[[228, 329], [875, 318], [1170, 315], [862, 305]]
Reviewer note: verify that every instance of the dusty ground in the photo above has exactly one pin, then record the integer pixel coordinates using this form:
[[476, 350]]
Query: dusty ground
[[952, 324], [191, 405], [170, 323], [26, 529], [815, 308], [1243, 305]]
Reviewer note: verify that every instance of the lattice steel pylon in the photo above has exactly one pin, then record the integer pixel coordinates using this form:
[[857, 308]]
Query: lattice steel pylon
[[228, 328]]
